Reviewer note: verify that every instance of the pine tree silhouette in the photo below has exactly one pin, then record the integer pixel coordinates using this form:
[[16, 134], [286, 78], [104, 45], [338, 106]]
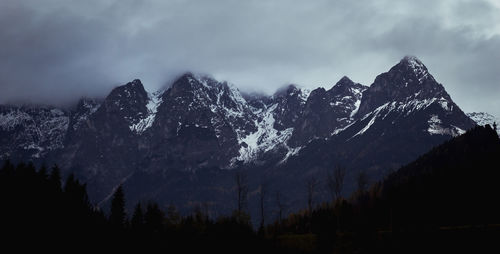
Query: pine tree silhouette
[[118, 216], [55, 178], [137, 221], [153, 218], [43, 172]]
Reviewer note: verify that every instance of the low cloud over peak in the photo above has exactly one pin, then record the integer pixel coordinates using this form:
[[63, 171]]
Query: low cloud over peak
[[57, 51]]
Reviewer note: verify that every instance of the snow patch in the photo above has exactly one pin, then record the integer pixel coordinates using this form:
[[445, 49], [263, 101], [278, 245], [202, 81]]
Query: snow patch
[[356, 108], [264, 139], [43, 129], [435, 127], [418, 68], [154, 100], [304, 94], [374, 114], [483, 118], [291, 152]]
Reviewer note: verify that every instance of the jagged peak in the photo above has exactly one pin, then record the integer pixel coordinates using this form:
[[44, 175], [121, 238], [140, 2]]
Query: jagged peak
[[195, 80], [345, 84], [187, 76], [133, 89], [413, 64], [284, 90], [319, 90], [134, 85], [135, 82], [292, 90], [483, 118], [345, 80], [88, 102], [412, 61], [408, 72]]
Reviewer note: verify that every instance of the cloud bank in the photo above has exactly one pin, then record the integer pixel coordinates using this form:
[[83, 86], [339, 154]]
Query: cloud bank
[[55, 51]]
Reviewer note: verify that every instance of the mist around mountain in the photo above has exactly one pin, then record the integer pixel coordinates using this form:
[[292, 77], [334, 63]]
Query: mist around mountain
[[185, 144]]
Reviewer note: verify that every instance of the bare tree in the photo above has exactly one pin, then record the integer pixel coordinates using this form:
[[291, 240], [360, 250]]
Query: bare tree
[[281, 205], [335, 182], [207, 210], [262, 199], [242, 191], [311, 192], [362, 181]]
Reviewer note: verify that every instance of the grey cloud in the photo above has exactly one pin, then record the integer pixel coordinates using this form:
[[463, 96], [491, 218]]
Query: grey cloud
[[57, 51]]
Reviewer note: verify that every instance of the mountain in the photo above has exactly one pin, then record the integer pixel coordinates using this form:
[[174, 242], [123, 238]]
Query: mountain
[[431, 190], [402, 115], [31, 132], [443, 201], [184, 143], [482, 119]]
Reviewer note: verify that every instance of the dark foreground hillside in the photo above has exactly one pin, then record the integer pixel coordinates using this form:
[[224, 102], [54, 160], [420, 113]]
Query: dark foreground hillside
[[447, 200]]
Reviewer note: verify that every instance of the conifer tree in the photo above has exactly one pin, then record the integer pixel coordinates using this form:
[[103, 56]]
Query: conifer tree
[[241, 191], [153, 218], [174, 217], [262, 199], [118, 216], [55, 178], [43, 172], [137, 221]]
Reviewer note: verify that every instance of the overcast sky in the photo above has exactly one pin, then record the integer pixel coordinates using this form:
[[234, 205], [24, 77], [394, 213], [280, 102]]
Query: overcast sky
[[54, 51]]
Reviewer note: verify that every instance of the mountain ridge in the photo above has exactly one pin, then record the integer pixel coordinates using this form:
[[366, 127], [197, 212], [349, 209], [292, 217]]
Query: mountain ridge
[[200, 124]]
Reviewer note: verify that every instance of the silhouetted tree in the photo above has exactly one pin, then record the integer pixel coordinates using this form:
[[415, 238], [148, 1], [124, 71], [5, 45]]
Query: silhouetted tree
[[281, 205], [118, 216], [362, 181], [153, 218], [262, 200], [137, 221], [174, 218], [43, 172], [311, 192], [335, 182], [241, 191], [55, 178], [76, 193]]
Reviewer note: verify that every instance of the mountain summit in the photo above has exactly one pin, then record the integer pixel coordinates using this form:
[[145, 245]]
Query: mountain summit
[[186, 141]]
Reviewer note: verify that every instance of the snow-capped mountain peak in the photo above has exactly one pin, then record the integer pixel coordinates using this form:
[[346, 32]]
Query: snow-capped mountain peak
[[201, 123], [483, 118], [417, 67]]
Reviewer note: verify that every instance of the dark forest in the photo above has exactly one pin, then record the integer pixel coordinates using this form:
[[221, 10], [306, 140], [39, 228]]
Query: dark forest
[[446, 200]]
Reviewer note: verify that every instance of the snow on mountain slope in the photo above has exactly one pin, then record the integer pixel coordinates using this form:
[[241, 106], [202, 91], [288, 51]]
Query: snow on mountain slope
[[255, 128], [264, 139], [483, 118], [411, 106], [144, 123], [31, 130], [436, 128], [247, 128], [85, 108], [172, 143], [408, 92]]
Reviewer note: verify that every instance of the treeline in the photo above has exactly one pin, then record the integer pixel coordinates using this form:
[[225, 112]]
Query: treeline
[[39, 211], [447, 200]]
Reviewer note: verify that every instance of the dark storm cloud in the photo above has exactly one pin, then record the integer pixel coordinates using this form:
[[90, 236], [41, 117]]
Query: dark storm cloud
[[55, 51]]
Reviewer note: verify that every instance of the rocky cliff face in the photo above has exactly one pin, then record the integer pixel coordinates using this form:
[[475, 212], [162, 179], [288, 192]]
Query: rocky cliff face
[[183, 143]]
